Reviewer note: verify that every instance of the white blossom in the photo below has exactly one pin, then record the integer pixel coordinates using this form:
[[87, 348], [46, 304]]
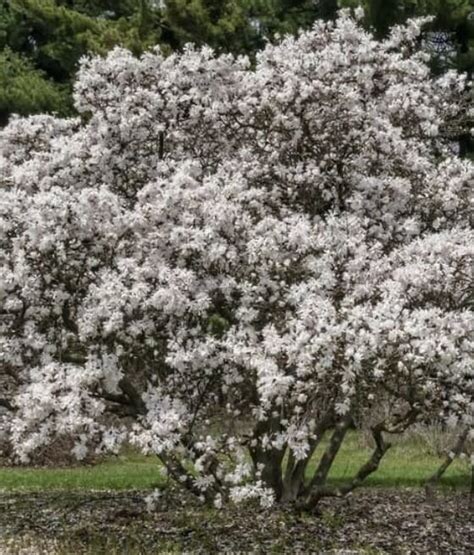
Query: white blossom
[[229, 260]]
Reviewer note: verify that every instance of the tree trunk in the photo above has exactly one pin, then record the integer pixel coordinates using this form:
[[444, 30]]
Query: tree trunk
[[436, 476], [471, 493], [320, 489], [268, 464], [294, 478]]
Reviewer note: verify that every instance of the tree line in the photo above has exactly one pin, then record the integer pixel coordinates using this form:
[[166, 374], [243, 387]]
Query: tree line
[[42, 41]]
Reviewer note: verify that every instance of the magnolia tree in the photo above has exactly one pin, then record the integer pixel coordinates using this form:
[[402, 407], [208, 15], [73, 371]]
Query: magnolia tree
[[223, 264]]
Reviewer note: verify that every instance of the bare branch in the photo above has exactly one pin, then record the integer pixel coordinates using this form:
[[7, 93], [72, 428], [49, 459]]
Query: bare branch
[[365, 470], [5, 403]]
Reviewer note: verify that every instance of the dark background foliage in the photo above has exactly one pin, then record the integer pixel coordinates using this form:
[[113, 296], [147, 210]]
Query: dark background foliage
[[42, 41]]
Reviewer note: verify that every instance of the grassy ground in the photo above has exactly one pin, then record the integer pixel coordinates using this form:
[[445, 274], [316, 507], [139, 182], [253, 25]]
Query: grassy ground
[[54, 511], [407, 464]]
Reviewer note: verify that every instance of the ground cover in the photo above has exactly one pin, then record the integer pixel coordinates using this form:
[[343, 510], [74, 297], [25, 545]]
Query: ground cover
[[407, 464], [100, 509], [371, 521]]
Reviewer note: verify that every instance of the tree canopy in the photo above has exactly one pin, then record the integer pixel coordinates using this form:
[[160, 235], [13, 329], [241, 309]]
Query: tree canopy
[[43, 40], [223, 263]]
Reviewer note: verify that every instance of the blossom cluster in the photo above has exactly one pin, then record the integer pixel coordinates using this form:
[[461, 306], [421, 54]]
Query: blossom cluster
[[216, 261]]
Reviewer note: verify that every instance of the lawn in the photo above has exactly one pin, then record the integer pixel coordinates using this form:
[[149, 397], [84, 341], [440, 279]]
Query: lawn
[[60, 511], [407, 464]]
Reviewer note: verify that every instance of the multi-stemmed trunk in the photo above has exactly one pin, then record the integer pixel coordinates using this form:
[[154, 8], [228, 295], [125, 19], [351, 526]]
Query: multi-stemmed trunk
[[289, 479]]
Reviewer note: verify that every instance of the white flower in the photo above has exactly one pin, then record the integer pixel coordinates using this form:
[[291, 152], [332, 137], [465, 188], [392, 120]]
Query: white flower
[[220, 256]]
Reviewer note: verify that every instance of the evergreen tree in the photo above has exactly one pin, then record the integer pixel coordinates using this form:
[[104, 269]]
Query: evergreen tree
[[25, 89], [288, 16], [42, 41], [225, 25], [241, 26]]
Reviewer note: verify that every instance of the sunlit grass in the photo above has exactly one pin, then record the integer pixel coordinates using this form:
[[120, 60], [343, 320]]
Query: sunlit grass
[[407, 464], [124, 472]]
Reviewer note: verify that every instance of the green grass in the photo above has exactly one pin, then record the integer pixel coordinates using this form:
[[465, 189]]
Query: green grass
[[125, 472], [407, 464]]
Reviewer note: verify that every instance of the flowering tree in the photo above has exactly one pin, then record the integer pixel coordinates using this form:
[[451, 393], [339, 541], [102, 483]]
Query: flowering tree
[[223, 264]]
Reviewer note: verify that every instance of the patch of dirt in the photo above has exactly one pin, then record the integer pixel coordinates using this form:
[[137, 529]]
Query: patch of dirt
[[370, 521]]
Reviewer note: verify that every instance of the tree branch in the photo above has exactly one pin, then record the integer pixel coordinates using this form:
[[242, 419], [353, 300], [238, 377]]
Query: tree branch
[[135, 398], [455, 452], [7, 404], [329, 455], [365, 470]]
